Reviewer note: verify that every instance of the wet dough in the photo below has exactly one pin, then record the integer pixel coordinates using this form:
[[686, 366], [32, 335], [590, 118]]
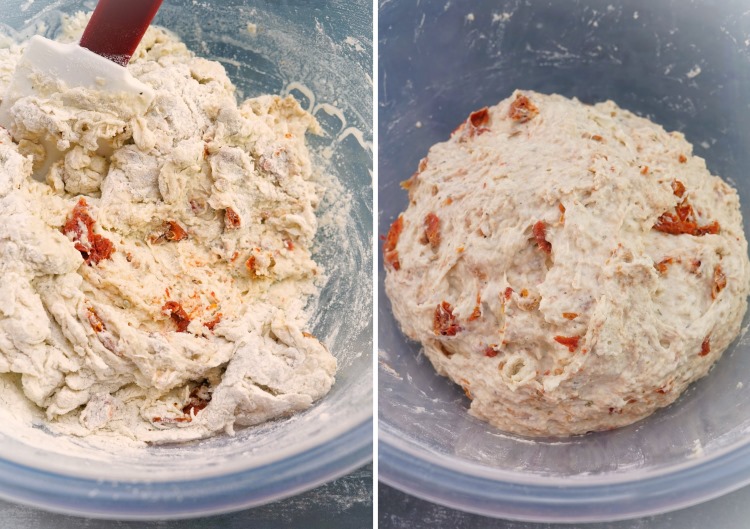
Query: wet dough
[[154, 285]]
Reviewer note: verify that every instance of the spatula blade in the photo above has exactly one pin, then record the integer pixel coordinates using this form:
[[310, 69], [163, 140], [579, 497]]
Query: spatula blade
[[69, 66]]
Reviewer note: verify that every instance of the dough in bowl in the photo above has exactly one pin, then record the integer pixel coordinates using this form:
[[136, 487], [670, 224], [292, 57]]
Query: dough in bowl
[[154, 285], [572, 267]]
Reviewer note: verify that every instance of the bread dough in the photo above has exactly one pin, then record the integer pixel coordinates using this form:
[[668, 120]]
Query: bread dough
[[154, 285], [573, 267]]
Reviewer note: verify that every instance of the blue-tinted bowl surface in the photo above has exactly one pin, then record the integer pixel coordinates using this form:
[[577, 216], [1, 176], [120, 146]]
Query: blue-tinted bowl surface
[[685, 65], [321, 52]]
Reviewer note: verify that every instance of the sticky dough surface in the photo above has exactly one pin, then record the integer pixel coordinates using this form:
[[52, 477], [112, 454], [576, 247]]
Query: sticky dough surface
[[573, 267], [154, 285]]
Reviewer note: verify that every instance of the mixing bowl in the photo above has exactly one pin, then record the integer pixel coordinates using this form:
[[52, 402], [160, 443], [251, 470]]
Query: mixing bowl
[[320, 51], [685, 65]]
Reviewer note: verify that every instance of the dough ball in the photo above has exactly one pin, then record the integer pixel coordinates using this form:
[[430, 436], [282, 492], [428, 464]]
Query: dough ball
[[573, 267]]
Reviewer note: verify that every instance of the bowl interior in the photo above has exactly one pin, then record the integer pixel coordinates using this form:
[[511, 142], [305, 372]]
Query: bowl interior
[[321, 52], [686, 67]]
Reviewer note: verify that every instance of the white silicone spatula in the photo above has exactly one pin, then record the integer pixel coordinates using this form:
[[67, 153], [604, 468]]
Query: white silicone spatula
[[111, 36]]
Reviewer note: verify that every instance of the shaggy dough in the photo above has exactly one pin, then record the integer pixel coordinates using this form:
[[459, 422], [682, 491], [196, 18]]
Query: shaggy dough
[[573, 267], [154, 285]]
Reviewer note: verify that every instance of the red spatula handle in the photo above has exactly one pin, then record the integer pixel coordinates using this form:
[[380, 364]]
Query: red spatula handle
[[117, 26]]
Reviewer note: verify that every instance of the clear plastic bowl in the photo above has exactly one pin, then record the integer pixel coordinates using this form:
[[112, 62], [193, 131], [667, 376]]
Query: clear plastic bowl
[[321, 51], [686, 65]]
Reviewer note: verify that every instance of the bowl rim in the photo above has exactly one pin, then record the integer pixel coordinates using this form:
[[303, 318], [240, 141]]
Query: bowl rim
[[183, 498], [473, 488]]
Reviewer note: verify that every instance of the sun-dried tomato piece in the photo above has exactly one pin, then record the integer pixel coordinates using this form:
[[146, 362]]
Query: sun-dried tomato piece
[[712, 228], [490, 351], [508, 293], [571, 342], [569, 315], [706, 346], [101, 248], [540, 233], [477, 312], [474, 124], [79, 228], [390, 254], [432, 230], [597, 137], [175, 232], [678, 188], [720, 281], [170, 420], [684, 211], [214, 322], [682, 158], [174, 310], [232, 219], [663, 265], [673, 225], [444, 322], [522, 110], [171, 231], [199, 398], [479, 117], [644, 170], [250, 265], [289, 244], [683, 222], [96, 322]]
